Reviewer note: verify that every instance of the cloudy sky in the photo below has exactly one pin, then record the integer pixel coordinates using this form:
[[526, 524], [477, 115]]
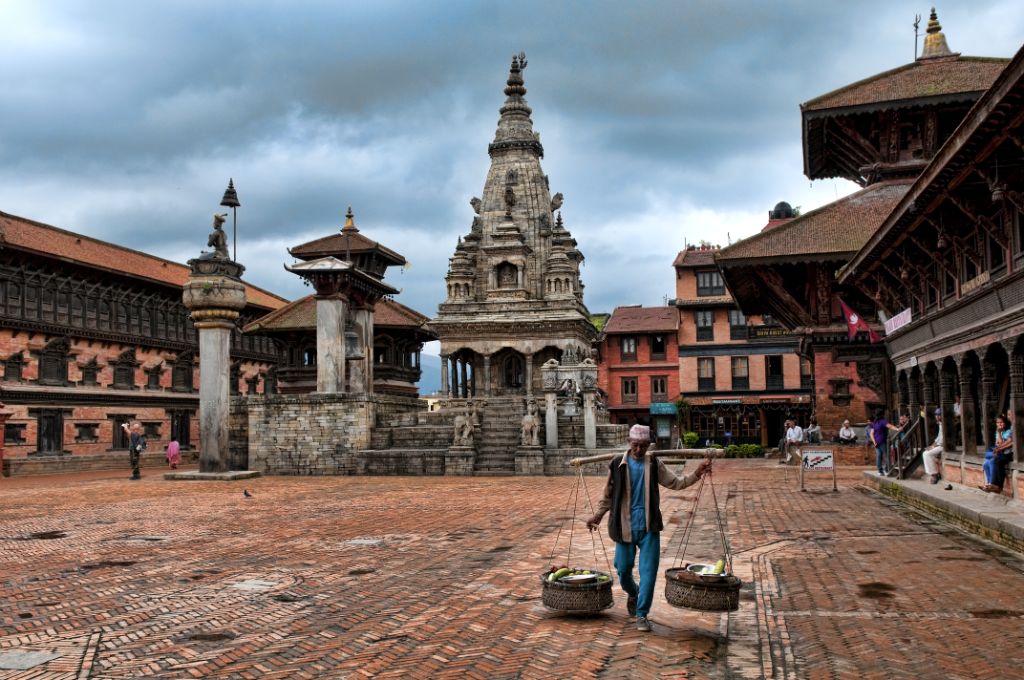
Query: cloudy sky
[[663, 121]]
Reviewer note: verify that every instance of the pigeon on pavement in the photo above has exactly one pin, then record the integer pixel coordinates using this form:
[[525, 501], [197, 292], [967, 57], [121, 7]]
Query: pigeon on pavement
[[245, 492]]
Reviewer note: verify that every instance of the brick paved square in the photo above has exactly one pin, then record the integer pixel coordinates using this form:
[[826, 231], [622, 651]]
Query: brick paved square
[[438, 577]]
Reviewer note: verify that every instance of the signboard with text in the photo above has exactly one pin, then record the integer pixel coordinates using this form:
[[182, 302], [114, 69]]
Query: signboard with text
[[812, 460]]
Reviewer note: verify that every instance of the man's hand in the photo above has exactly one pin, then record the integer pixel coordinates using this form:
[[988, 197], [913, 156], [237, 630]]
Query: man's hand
[[593, 522], [703, 468]]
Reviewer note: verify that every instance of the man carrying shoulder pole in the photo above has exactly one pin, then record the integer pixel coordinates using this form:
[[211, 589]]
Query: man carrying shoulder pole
[[635, 523]]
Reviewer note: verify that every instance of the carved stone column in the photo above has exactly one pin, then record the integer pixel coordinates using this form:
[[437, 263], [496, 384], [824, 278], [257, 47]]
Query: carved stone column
[[588, 378], [550, 420], [214, 294], [988, 401], [549, 372], [487, 375], [455, 378], [444, 376], [529, 373], [463, 379]]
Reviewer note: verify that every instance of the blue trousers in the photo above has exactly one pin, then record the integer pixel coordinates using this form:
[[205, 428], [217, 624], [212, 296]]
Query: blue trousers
[[995, 467], [649, 545], [880, 457]]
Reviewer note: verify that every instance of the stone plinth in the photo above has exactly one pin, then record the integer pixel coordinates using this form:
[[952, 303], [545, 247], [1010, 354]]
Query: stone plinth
[[530, 460], [229, 476], [459, 460], [214, 294]]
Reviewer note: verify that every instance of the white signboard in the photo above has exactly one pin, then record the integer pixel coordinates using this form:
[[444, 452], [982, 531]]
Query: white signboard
[[898, 321], [818, 459]]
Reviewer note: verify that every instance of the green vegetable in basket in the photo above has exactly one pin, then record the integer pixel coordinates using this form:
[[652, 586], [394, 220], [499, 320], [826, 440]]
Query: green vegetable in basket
[[602, 578], [551, 578], [719, 567], [564, 571]]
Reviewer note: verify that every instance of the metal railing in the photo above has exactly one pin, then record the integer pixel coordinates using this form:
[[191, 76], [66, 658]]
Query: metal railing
[[905, 450]]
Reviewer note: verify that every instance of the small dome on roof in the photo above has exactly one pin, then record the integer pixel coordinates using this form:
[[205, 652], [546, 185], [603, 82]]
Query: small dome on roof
[[781, 211]]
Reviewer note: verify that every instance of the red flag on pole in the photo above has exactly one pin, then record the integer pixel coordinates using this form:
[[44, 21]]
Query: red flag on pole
[[857, 323]]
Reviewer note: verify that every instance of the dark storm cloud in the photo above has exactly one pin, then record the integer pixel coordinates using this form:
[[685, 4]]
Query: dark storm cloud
[[662, 121]]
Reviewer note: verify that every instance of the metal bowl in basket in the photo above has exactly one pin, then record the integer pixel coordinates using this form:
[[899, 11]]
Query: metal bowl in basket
[[707, 592], [577, 598]]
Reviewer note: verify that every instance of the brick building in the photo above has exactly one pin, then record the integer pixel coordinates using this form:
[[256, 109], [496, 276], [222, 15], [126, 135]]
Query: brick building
[[880, 132], [639, 364], [93, 335], [742, 376]]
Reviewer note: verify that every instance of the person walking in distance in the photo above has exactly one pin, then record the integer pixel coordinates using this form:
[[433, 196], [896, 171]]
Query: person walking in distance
[[635, 523], [136, 445]]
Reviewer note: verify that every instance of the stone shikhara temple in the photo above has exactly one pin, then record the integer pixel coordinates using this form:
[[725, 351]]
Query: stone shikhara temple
[[519, 382]]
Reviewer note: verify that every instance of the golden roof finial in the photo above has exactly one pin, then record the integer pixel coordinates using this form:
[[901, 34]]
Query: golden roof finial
[[934, 40], [350, 221]]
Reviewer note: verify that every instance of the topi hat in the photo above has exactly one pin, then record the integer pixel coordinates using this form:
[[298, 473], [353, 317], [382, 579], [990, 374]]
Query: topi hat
[[639, 434]]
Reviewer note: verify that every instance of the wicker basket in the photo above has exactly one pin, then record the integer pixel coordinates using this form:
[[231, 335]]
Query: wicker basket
[[588, 598], [704, 593]]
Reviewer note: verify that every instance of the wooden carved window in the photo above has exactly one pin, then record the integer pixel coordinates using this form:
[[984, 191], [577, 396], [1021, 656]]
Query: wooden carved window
[[737, 325], [124, 370], [806, 372], [153, 375], [235, 374], [181, 373], [270, 381], [53, 362], [90, 372], [705, 373], [86, 432], [251, 383], [181, 425], [13, 367], [659, 388], [740, 373], [710, 283], [628, 345], [657, 347], [629, 390], [151, 429], [14, 434], [705, 320]]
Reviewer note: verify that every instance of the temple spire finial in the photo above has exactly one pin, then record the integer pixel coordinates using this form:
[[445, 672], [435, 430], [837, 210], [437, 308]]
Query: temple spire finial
[[934, 39], [514, 86], [350, 221]]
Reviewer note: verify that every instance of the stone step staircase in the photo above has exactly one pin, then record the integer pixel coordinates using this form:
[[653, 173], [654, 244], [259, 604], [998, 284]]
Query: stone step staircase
[[499, 436]]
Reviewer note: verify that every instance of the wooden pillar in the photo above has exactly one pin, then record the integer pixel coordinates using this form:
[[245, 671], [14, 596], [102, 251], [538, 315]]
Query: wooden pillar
[[914, 401], [930, 402], [455, 377], [988, 402], [902, 380], [1016, 362], [947, 395], [968, 428]]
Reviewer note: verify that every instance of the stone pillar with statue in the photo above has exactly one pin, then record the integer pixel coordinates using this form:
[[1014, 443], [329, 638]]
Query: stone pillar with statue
[[215, 295]]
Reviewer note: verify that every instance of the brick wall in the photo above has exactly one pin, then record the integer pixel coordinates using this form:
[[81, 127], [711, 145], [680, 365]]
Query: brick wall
[[830, 412]]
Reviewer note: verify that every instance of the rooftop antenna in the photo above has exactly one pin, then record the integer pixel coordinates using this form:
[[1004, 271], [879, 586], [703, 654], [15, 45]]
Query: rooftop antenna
[[917, 25]]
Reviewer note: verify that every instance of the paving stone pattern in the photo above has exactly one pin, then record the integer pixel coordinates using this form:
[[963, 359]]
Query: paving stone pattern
[[438, 577]]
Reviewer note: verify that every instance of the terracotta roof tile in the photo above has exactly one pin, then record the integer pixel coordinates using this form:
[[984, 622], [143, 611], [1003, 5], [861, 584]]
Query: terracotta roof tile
[[301, 315], [50, 241], [941, 76], [642, 320], [696, 257], [842, 226], [336, 245]]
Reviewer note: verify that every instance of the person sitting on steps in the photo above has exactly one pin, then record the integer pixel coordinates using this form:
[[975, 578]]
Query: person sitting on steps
[[997, 457], [792, 441], [930, 456], [847, 435]]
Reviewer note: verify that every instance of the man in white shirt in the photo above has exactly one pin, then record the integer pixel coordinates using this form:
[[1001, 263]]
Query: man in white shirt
[[793, 439], [931, 455]]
